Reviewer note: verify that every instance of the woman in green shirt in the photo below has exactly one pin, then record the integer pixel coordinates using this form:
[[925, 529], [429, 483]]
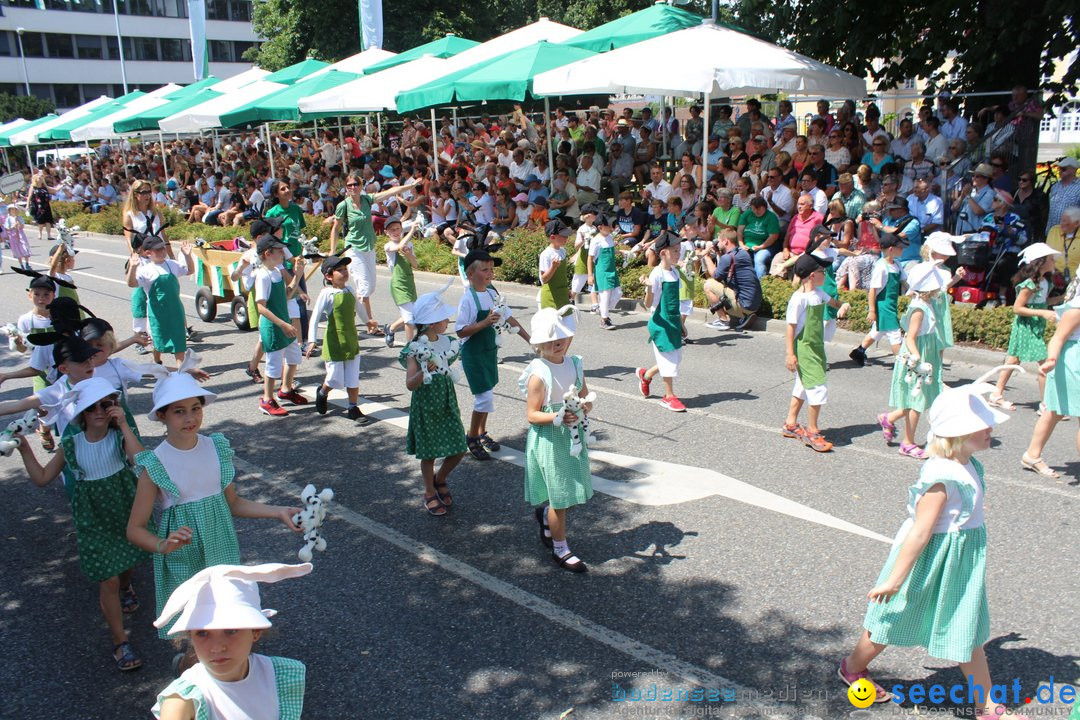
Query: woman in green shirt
[[292, 225], [725, 216], [355, 216]]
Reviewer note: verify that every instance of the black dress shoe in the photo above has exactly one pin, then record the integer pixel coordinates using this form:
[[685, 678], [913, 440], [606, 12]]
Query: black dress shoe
[[569, 562], [321, 397]]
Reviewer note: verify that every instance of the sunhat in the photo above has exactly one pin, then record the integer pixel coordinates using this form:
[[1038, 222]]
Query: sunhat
[[386, 171], [430, 308], [179, 385], [89, 391], [941, 243], [925, 277], [1036, 251], [550, 324], [962, 410], [225, 597]]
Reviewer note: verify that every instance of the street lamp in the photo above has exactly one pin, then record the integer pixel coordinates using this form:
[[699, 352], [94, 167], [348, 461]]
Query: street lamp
[[26, 76]]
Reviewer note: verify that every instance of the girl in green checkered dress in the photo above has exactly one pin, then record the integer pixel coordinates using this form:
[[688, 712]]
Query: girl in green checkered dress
[[931, 592], [554, 479], [189, 477], [98, 459]]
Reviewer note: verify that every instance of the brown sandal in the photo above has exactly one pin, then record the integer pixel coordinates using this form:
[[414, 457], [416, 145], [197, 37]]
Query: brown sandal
[[437, 510]]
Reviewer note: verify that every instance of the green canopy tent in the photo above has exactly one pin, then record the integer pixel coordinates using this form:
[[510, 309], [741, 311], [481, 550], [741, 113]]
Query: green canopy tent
[[295, 72], [193, 88], [658, 19], [4, 136], [149, 119], [62, 133], [283, 106], [442, 48], [505, 77]]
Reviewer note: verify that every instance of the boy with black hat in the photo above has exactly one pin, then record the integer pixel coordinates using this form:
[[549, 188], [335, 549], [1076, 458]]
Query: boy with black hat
[[479, 351], [883, 298], [662, 288], [159, 279], [554, 284], [243, 277], [341, 348], [275, 328], [806, 349], [603, 275], [41, 292]]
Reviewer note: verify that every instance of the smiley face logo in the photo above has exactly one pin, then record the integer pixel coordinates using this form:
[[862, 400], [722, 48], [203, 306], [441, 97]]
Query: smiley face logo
[[862, 693]]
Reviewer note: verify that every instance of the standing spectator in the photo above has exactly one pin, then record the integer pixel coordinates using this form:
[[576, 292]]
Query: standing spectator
[[901, 146], [40, 207], [953, 126], [1065, 193], [784, 118], [1030, 205], [752, 115], [824, 114], [937, 145]]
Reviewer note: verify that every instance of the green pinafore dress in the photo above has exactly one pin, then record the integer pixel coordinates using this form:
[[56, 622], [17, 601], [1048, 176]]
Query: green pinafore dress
[[1026, 340], [942, 305], [168, 326], [829, 286], [402, 282], [479, 355], [887, 304], [69, 292], [435, 429], [607, 277], [273, 339], [551, 474], [810, 347], [555, 293], [665, 324], [901, 394], [100, 509], [942, 605], [213, 535]]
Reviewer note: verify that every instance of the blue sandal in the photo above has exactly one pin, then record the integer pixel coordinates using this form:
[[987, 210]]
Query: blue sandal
[[129, 601], [127, 660]]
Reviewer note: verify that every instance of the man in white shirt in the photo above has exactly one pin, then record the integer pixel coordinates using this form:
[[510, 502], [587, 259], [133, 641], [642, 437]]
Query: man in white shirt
[[901, 146], [588, 181], [502, 153], [808, 183], [953, 126], [659, 188], [937, 145], [780, 198], [926, 207], [520, 168]]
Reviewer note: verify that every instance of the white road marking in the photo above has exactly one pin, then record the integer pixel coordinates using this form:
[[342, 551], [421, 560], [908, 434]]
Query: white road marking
[[649, 657]]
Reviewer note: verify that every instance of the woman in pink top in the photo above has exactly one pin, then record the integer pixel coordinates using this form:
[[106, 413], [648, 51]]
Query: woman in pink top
[[798, 236]]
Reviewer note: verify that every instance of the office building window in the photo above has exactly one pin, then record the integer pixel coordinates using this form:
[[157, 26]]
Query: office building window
[[239, 48], [217, 10], [32, 44], [6, 45], [93, 91], [173, 50], [240, 10], [42, 90], [146, 49], [89, 47], [67, 94], [60, 46], [221, 51]]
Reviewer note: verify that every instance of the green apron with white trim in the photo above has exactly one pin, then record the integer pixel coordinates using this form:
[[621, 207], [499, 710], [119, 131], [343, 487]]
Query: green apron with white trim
[[273, 339], [810, 348], [887, 299], [665, 324], [607, 277], [168, 326], [555, 293]]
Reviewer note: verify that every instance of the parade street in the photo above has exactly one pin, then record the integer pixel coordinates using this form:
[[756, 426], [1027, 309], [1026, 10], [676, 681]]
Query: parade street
[[723, 558]]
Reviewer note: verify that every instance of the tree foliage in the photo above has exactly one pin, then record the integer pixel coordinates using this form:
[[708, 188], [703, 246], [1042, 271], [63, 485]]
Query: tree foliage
[[27, 107], [993, 45], [329, 30]]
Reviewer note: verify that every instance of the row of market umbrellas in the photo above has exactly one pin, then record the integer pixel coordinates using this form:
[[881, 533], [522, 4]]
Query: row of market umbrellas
[[662, 50]]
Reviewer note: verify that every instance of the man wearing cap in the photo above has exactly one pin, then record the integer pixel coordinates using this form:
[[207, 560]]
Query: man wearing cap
[[785, 140], [974, 201], [1065, 193], [623, 137], [554, 282], [733, 288]]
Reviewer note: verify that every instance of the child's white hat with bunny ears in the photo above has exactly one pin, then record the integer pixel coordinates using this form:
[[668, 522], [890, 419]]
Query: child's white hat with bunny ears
[[225, 597], [550, 324], [941, 243], [180, 385], [89, 391], [1036, 251], [430, 308], [962, 410]]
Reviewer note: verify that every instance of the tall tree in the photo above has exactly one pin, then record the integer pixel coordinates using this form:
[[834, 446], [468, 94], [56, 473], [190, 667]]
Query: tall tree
[[992, 44], [27, 107]]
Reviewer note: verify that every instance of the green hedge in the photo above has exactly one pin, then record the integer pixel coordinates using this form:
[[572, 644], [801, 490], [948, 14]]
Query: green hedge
[[520, 256]]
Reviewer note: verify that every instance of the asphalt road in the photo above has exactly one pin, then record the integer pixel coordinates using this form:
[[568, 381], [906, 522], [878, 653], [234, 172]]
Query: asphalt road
[[722, 557]]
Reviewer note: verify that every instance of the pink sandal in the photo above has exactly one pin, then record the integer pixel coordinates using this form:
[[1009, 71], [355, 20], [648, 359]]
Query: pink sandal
[[887, 428], [912, 451], [850, 678]]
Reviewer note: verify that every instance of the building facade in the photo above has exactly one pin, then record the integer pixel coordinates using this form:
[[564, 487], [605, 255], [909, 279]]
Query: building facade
[[72, 55]]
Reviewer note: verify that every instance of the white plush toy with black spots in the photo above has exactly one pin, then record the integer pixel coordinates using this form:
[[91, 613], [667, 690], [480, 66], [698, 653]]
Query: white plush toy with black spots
[[12, 434], [580, 435], [501, 308], [310, 520], [11, 332], [436, 358]]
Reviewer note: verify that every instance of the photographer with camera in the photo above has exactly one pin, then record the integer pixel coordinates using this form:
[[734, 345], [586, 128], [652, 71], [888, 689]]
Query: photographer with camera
[[733, 288]]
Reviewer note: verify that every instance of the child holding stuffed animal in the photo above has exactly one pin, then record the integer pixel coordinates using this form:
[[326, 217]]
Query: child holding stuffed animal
[[401, 258], [279, 335], [15, 227], [662, 291], [916, 379], [159, 279], [603, 275], [479, 346], [555, 285], [99, 459], [189, 479], [221, 614], [341, 348], [806, 349], [435, 429], [582, 240], [41, 292], [555, 479]]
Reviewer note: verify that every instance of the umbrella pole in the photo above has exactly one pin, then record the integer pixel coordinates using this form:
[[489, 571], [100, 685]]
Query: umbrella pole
[[7, 162], [90, 162], [706, 130], [164, 154], [213, 149], [341, 140], [550, 149], [434, 144], [269, 148], [29, 160], [453, 115]]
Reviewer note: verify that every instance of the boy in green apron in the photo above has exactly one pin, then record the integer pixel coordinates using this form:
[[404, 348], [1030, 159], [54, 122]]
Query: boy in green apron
[[341, 349], [555, 285], [401, 260], [806, 349], [886, 280], [602, 273], [159, 279], [275, 328], [662, 288], [479, 353]]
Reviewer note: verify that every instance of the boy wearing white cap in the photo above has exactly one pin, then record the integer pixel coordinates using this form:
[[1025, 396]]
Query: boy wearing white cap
[[221, 613], [555, 480], [341, 348], [916, 379], [435, 429], [931, 592], [1030, 313], [662, 294]]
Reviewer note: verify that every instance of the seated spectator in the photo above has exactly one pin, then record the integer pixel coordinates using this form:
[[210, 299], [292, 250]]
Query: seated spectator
[[620, 169], [754, 174], [726, 215], [878, 155], [685, 190], [534, 189], [644, 155], [798, 236], [504, 211], [1062, 236], [902, 223], [841, 228], [630, 221], [563, 202], [736, 150], [779, 197], [788, 176], [926, 207], [733, 288], [659, 188], [851, 196], [759, 234], [522, 210], [743, 194], [588, 181], [809, 187], [538, 215]]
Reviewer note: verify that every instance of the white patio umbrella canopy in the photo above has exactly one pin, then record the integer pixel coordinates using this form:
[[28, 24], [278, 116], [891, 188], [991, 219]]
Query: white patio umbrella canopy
[[102, 128], [240, 80], [29, 137], [207, 115], [374, 93], [12, 125], [356, 63], [711, 59]]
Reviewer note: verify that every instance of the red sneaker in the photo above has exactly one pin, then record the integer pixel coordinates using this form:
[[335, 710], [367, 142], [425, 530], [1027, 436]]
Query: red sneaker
[[673, 403], [293, 396], [272, 408], [643, 382]]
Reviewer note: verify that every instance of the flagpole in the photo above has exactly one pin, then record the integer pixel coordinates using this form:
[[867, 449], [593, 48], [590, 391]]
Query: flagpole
[[120, 43]]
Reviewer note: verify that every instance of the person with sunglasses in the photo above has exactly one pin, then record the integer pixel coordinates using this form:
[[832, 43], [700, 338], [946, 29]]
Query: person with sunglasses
[[1029, 203]]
